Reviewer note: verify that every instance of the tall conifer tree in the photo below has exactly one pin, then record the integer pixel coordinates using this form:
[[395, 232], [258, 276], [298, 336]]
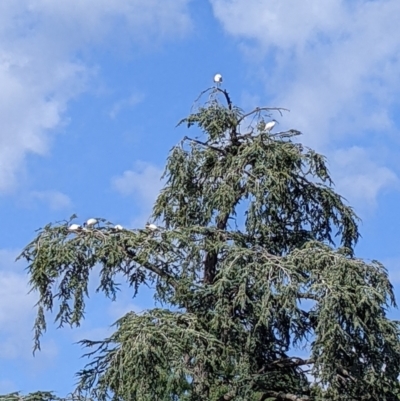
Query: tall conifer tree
[[254, 264]]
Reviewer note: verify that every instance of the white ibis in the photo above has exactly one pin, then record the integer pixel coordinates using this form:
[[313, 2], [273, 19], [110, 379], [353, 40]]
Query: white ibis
[[151, 227], [218, 79], [268, 126], [90, 223], [118, 227], [74, 227]]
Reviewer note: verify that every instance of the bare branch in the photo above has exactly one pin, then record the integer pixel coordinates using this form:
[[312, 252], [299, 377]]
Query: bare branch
[[287, 134], [228, 99], [202, 93], [258, 109], [215, 89]]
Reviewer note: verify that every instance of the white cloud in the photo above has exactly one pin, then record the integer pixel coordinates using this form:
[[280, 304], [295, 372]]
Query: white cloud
[[92, 21], [285, 24], [334, 64], [39, 68], [324, 66], [55, 200]]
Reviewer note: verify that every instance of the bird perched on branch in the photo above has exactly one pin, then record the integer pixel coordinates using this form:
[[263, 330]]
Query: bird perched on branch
[[74, 227], [218, 79], [268, 126], [90, 223], [151, 227]]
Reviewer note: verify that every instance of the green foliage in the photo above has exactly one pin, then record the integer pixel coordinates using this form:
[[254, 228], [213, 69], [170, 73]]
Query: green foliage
[[255, 259], [40, 396]]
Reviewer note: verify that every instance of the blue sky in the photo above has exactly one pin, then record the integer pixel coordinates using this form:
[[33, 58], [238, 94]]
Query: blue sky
[[91, 93]]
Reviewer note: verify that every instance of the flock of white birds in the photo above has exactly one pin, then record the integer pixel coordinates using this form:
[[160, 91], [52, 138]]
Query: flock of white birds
[[91, 223]]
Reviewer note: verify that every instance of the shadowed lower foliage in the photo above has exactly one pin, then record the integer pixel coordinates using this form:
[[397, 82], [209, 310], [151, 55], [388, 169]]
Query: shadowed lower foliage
[[253, 260]]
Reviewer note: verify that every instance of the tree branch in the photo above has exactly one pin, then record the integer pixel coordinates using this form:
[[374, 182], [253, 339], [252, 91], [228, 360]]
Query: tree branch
[[308, 295], [227, 397], [345, 373], [216, 89], [153, 268], [228, 99], [292, 362], [258, 109], [211, 260], [286, 134], [205, 144]]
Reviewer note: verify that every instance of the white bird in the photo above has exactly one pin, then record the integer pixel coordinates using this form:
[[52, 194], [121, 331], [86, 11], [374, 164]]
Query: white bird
[[218, 79], [151, 227], [90, 223], [268, 126], [74, 227], [118, 227]]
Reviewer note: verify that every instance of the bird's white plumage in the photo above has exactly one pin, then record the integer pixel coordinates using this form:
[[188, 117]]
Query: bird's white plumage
[[74, 227], [218, 78], [151, 227], [118, 227], [268, 126], [91, 222]]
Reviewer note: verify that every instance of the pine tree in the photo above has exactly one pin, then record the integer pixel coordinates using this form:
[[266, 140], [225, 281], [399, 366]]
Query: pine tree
[[253, 262]]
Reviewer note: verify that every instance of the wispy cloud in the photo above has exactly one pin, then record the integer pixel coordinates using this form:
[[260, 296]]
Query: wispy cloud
[[143, 183], [129, 102], [55, 200], [360, 178], [17, 313]]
